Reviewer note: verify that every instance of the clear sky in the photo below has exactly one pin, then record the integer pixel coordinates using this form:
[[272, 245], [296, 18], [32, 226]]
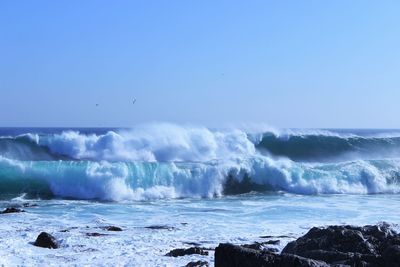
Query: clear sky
[[283, 63]]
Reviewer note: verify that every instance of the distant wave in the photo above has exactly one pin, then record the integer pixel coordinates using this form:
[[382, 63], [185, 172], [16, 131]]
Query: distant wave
[[26, 147], [173, 143], [160, 142], [329, 146]]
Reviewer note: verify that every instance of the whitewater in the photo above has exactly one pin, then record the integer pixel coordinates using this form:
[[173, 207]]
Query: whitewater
[[207, 185], [170, 161]]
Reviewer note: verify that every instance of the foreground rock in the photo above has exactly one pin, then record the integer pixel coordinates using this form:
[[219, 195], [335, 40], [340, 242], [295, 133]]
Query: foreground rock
[[11, 210], [46, 240], [186, 251], [368, 246], [228, 255], [197, 264], [371, 245]]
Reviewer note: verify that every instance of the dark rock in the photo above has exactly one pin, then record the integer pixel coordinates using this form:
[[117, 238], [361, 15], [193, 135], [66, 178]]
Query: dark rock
[[186, 251], [112, 228], [371, 245], [95, 234], [12, 210], [228, 255], [27, 205], [89, 250], [391, 255], [261, 246], [278, 236], [197, 264], [68, 229], [160, 227], [195, 244], [272, 250], [256, 246], [272, 242], [46, 240], [233, 186], [368, 246]]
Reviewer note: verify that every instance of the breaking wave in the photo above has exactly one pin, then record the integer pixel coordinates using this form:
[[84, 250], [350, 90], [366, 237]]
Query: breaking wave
[[171, 161], [163, 142], [153, 180]]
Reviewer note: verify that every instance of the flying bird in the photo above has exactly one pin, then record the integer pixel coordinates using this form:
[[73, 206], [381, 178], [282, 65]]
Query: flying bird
[[134, 101]]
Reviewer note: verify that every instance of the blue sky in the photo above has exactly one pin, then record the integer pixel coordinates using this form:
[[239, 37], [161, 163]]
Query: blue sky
[[283, 63]]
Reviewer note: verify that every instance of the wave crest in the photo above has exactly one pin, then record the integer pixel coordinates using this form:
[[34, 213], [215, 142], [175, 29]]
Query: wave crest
[[328, 147], [152, 143], [152, 180]]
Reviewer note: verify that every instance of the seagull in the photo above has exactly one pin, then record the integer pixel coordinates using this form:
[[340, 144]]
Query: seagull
[[134, 101], [97, 105]]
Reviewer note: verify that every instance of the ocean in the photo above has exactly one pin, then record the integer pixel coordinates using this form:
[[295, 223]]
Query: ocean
[[172, 186]]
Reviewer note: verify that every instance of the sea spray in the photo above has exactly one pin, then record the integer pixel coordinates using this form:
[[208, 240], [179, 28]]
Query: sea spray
[[152, 180], [170, 161]]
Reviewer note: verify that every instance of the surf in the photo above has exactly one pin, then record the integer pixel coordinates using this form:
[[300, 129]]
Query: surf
[[172, 143], [120, 181], [161, 161]]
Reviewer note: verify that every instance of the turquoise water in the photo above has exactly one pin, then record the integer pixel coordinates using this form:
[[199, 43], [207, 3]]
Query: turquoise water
[[201, 185], [239, 219]]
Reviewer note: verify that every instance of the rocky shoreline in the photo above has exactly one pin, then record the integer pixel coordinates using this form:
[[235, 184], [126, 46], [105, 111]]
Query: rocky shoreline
[[335, 246], [367, 246]]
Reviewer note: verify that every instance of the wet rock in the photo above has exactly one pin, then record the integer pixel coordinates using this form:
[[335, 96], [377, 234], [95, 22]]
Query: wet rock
[[391, 255], [68, 229], [112, 228], [371, 245], [228, 255], [233, 186], [197, 264], [195, 244], [160, 227], [89, 250], [368, 246], [278, 236], [46, 240], [256, 246], [261, 246], [186, 251], [272, 250], [11, 210], [95, 234], [28, 205], [271, 242]]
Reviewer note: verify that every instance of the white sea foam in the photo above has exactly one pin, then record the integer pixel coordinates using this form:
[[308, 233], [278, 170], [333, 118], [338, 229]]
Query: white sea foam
[[170, 161], [239, 220], [161, 142], [119, 181], [173, 162]]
